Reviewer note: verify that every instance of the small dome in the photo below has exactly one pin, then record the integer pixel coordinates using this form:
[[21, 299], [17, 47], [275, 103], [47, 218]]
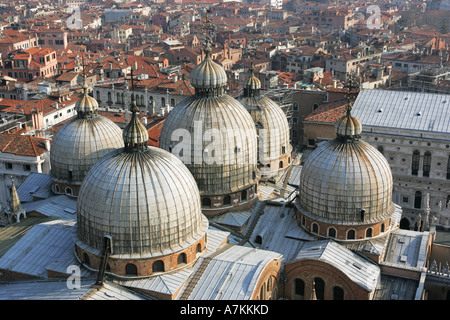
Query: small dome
[[340, 180], [253, 83], [135, 134], [208, 74], [86, 104], [348, 126]]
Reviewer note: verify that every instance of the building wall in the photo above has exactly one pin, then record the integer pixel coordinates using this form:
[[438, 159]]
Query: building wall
[[308, 270]]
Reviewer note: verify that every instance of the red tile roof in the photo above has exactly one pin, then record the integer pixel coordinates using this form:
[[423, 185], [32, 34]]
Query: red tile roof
[[330, 112], [22, 145]]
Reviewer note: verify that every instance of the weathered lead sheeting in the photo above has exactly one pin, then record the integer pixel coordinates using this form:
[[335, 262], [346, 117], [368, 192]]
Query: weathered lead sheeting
[[359, 269], [42, 290], [38, 248], [35, 185], [233, 274], [62, 206], [416, 111]]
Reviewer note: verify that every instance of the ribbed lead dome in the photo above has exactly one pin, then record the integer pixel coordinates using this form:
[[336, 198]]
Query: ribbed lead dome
[[208, 74], [143, 197], [345, 178]]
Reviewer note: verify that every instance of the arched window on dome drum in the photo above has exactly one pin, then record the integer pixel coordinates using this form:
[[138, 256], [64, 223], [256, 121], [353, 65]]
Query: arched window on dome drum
[[315, 228], [303, 220], [158, 266], [281, 165], [338, 293], [206, 202], [68, 191], [56, 188], [244, 195], [299, 287], [415, 163], [381, 149], [332, 233], [319, 285], [131, 270], [182, 258], [86, 259], [426, 164], [227, 200], [382, 227], [363, 214], [418, 200], [351, 234], [369, 233], [199, 248]]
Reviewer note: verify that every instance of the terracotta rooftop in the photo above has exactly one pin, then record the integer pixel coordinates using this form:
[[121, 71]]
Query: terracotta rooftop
[[329, 113], [22, 145]]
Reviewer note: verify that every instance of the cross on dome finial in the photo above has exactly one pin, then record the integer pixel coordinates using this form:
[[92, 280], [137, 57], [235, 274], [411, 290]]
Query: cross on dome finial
[[208, 28]]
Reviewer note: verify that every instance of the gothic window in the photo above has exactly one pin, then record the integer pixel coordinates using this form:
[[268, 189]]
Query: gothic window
[[415, 162], [418, 200], [426, 164]]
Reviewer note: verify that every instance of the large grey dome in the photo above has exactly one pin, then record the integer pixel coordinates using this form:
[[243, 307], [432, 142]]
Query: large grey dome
[[147, 202], [81, 142], [143, 197], [229, 165]]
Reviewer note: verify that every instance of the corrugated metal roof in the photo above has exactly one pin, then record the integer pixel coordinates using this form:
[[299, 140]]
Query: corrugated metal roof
[[406, 110], [359, 269], [39, 247]]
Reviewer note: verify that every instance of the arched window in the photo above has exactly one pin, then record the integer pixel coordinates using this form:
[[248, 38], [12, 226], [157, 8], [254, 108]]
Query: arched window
[[303, 220], [227, 200], [131, 270], [86, 259], [68, 191], [369, 233], [56, 188], [426, 164], [381, 149], [332, 233], [199, 248], [244, 195], [319, 286], [418, 200], [281, 165], [415, 163], [206, 202], [163, 102], [338, 293], [172, 102], [182, 258], [299, 287], [118, 98], [363, 214], [448, 168], [315, 228], [351, 234], [158, 266], [109, 97], [382, 227]]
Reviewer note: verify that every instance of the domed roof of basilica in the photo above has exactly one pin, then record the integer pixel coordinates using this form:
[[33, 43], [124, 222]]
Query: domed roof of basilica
[[143, 197], [82, 141], [346, 180], [270, 120], [213, 133]]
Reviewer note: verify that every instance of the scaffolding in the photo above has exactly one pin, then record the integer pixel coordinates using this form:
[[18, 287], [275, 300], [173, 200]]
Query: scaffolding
[[284, 98]]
